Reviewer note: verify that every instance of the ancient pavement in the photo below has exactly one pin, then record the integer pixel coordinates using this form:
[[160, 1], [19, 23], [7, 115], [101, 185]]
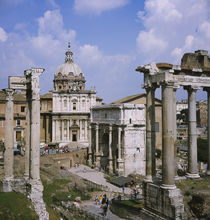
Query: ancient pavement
[[97, 177]]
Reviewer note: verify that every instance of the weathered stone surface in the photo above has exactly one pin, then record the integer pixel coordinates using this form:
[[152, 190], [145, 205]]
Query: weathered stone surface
[[167, 203]]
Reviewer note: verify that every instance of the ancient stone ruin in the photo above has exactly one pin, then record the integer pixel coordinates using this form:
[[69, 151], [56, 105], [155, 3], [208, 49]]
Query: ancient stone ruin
[[163, 197], [30, 184]]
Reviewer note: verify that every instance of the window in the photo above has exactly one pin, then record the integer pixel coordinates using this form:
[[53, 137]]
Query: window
[[22, 109], [130, 121], [18, 122], [65, 103], [74, 106], [18, 135], [156, 126], [74, 137]]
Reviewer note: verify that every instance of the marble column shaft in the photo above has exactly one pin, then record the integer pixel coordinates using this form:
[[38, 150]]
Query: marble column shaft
[[168, 137], [150, 133], [9, 139], [97, 140], [192, 135], [90, 146]]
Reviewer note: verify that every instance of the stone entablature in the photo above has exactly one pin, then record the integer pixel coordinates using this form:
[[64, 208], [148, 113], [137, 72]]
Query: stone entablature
[[119, 114], [118, 138]]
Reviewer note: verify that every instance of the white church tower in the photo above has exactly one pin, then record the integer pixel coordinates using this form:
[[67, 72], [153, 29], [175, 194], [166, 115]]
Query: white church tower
[[71, 105]]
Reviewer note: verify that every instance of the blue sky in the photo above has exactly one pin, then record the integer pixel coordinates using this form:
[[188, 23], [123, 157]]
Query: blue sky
[[109, 39]]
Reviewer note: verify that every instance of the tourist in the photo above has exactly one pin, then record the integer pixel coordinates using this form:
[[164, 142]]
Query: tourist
[[96, 200], [123, 189], [100, 199]]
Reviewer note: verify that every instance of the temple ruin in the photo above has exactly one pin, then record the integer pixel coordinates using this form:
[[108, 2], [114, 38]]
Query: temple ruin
[[192, 74]]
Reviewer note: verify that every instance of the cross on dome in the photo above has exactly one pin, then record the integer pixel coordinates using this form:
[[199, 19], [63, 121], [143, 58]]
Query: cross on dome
[[69, 55]]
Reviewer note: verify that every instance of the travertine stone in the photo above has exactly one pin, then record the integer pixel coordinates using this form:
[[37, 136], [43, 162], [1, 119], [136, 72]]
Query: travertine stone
[[168, 136], [150, 133], [119, 160], [192, 135], [9, 141]]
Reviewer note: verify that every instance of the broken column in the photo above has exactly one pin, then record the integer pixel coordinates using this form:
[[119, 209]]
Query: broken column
[[168, 137], [192, 134], [9, 142]]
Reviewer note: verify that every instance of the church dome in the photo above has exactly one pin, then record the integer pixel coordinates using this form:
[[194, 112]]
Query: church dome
[[69, 67]]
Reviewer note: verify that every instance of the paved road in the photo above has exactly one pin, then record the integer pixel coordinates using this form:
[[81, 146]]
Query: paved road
[[97, 177]]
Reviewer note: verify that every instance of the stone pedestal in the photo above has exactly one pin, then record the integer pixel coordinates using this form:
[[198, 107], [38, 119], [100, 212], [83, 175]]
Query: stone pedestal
[[165, 203]]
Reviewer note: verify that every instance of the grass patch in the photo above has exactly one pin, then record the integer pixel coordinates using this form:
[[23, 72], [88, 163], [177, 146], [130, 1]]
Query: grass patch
[[16, 206]]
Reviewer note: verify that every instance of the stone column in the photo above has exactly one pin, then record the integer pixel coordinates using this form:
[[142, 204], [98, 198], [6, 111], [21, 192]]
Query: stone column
[[110, 150], [90, 147], [32, 77], [28, 134], [97, 146], [119, 160], [9, 141], [175, 132], [80, 130], [150, 134], [62, 129], [85, 136], [53, 130], [192, 135], [168, 137], [208, 95]]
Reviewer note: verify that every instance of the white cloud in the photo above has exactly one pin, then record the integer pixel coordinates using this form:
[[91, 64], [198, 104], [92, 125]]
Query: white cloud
[[3, 35], [173, 27], [97, 6], [148, 42], [205, 28]]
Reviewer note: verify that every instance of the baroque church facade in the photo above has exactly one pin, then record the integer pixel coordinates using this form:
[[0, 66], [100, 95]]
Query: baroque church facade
[[71, 104]]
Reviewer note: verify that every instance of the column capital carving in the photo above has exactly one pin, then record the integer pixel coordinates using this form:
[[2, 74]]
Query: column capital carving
[[9, 94], [119, 128], [152, 86], [110, 127]]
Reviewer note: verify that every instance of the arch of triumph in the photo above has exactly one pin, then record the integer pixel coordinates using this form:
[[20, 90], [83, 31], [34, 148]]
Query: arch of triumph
[[30, 184], [163, 197]]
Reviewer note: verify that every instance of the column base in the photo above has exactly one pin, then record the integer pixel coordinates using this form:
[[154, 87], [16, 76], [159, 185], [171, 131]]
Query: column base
[[7, 185], [192, 175], [169, 187], [97, 160]]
